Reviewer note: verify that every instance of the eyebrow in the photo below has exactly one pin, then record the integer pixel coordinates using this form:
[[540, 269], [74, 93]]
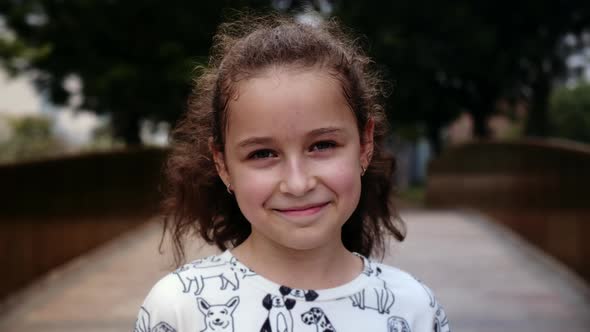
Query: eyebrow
[[254, 141], [266, 140], [326, 130]]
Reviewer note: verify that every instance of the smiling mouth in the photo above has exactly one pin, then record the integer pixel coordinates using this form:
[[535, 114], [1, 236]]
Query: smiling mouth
[[302, 211], [219, 323]]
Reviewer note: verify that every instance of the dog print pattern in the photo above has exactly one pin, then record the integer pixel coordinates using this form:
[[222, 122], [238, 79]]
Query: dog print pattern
[[226, 303], [379, 298], [279, 317], [367, 268], [194, 275], [218, 317], [316, 316], [441, 322], [397, 324], [308, 295], [429, 292], [143, 323]]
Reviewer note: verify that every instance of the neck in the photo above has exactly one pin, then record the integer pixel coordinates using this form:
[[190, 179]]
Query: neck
[[318, 268]]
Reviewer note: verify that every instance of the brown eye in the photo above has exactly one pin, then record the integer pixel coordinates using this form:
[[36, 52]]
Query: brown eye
[[323, 145], [261, 154]]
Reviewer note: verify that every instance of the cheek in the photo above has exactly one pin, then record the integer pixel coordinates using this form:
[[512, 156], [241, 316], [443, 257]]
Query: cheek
[[252, 190], [343, 178]]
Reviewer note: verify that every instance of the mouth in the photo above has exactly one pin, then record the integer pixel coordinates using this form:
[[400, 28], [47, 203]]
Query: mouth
[[306, 210]]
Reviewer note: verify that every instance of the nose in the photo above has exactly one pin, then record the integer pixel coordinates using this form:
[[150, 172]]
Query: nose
[[297, 180]]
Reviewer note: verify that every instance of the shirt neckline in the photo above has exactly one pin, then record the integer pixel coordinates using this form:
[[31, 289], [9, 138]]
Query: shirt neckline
[[342, 291]]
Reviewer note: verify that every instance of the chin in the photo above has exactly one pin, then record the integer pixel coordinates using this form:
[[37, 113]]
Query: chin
[[304, 241]]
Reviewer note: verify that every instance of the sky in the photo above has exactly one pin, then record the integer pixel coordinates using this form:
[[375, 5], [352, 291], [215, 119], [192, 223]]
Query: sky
[[18, 97]]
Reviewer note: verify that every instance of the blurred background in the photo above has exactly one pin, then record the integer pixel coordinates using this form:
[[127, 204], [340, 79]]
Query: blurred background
[[489, 106]]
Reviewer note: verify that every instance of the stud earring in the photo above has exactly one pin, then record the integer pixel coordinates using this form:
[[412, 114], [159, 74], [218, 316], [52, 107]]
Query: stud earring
[[363, 170], [229, 189]]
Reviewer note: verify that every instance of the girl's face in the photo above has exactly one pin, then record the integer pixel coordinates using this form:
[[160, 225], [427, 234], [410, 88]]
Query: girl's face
[[293, 156]]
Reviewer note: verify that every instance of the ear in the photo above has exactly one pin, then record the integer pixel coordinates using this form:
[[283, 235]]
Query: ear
[[219, 160], [203, 305], [233, 303], [284, 290], [267, 302], [311, 295], [289, 303], [367, 143]]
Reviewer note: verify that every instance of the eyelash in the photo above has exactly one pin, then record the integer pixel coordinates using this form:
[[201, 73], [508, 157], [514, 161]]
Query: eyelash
[[267, 153], [326, 144], [257, 154]]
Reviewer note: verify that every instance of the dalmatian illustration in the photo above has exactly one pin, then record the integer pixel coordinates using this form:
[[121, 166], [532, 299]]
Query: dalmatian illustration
[[197, 274], [240, 269], [279, 314], [308, 295], [143, 323], [316, 316], [441, 322], [377, 298], [397, 324], [218, 317]]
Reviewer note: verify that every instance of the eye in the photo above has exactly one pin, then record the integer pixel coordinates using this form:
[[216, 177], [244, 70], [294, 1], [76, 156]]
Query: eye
[[261, 154], [323, 145]]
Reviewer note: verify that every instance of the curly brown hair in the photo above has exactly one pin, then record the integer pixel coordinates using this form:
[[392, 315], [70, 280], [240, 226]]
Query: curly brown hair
[[195, 198]]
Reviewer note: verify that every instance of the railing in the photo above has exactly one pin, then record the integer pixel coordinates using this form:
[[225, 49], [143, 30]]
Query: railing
[[541, 189], [54, 210]]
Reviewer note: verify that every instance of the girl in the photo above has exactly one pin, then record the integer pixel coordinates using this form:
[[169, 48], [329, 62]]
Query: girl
[[279, 162]]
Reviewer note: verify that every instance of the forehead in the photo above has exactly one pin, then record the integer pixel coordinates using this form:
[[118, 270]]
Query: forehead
[[288, 102]]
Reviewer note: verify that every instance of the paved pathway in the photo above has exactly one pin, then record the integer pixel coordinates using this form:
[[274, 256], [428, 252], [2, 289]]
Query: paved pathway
[[486, 277]]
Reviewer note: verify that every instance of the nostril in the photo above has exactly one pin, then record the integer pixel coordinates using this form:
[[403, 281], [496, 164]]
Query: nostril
[[297, 181]]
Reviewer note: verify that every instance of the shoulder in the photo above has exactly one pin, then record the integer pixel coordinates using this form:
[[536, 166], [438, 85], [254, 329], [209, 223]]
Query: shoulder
[[413, 297], [174, 295], [160, 307], [399, 280]]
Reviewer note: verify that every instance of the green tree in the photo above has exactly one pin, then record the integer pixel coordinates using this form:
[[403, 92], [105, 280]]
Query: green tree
[[570, 112], [135, 58], [448, 56], [30, 138]]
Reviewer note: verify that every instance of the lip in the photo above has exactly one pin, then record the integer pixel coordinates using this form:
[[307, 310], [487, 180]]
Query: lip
[[306, 210]]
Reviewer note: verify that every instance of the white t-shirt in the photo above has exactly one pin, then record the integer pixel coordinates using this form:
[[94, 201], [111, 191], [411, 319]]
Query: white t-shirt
[[220, 294]]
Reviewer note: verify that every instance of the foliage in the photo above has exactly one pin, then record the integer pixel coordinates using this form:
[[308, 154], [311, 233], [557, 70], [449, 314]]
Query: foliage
[[446, 57], [135, 58], [413, 196], [31, 138], [570, 112], [103, 139]]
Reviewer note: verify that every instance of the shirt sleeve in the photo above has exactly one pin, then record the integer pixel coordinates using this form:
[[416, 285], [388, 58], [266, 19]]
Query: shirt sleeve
[[440, 321], [434, 318], [158, 312]]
